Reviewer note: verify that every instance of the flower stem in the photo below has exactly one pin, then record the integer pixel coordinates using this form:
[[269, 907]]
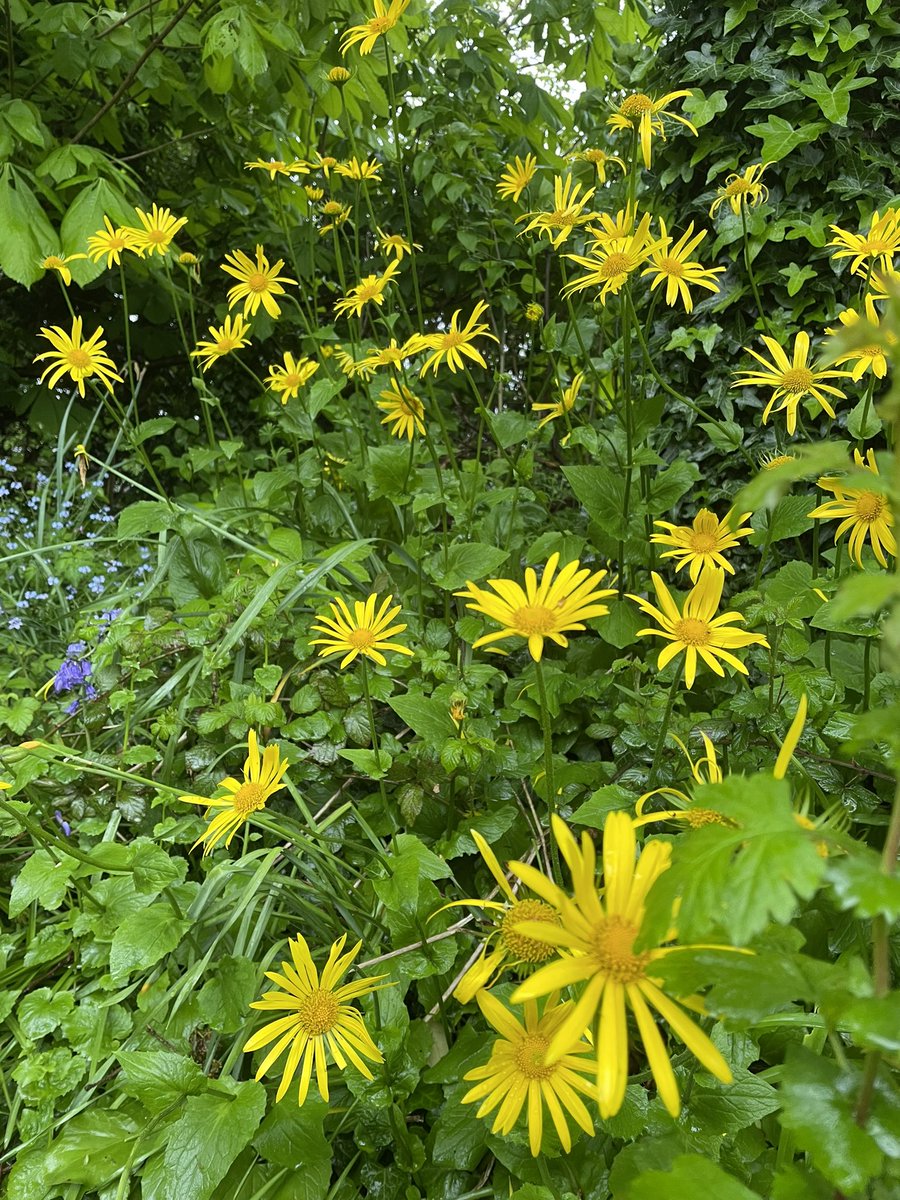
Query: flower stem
[[664, 728], [749, 265], [548, 757]]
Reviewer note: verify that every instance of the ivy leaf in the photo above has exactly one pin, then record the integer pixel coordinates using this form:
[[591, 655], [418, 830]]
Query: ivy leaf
[[779, 137], [833, 98]]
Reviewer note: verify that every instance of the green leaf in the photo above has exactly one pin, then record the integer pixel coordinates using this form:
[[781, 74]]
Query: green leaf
[[863, 422], [764, 490], [796, 276], [701, 109], [859, 883], [93, 1147], [144, 938], [863, 594], [788, 519], [458, 1134], [833, 98], [26, 236], [158, 1078], [152, 868], [294, 1137], [390, 472], [469, 561], [155, 427], [427, 718], [718, 1109], [43, 879], [667, 487], [779, 137], [84, 218], [40, 1012], [143, 517], [224, 1000], [594, 811], [373, 763], [874, 1022], [602, 492], [17, 712], [690, 1176]]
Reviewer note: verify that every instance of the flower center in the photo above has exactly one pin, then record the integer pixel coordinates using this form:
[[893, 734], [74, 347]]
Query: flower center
[[79, 359], [361, 639], [869, 506], [702, 543], [257, 282], [290, 381], [697, 817], [595, 156], [318, 1012], [692, 631], [615, 264], [249, 798], [529, 1056], [156, 235], [671, 266], [872, 351], [738, 187], [875, 246], [454, 338], [797, 380], [562, 216], [381, 24], [777, 460], [53, 261], [613, 942], [533, 618], [367, 291], [518, 944], [225, 345], [330, 208], [636, 105]]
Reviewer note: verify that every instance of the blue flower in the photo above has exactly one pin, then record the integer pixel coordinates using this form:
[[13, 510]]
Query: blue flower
[[14, 623]]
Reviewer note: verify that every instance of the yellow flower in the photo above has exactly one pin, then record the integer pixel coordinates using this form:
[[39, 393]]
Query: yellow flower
[[516, 177], [704, 770], [558, 604], [883, 284], [60, 263], [395, 243], [338, 75], [793, 380], [230, 336], [871, 357], [610, 264], [518, 1073], [326, 162], [364, 632], [262, 779], [359, 171], [613, 229], [770, 462], [568, 212], [314, 193], [188, 260], [156, 232], [275, 166], [392, 355], [339, 214], [404, 409], [597, 933], [369, 291], [878, 245], [702, 543], [673, 264], [258, 283], [865, 513], [455, 342], [370, 31], [640, 112], [80, 360], [533, 311], [287, 380], [565, 403], [600, 159], [353, 367], [111, 242], [320, 1019], [742, 190], [697, 630]]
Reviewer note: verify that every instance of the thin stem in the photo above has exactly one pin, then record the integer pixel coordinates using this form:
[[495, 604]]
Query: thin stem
[[664, 728], [749, 265], [548, 755]]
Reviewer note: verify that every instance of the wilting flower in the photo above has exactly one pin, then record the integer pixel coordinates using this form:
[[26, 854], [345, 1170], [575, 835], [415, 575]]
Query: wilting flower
[[533, 311], [516, 177], [518, 1075], [110, 241], [742, 190], [601, 160], [871, 357], [360, 171], [369, 291], [339, 214], [702, 543], [403, 409], [673, 265], [80, 360], [258, 283], [395, 243], [262, 779], [320, 1019], [549, 609], [639, 112], [60, 264], [455, 342], [362, 632], [609, 265], [697, 630], [230, 336], [878, 245], [565, 404], [865, 513], [567, 213], [370, 31], [287, 380], [793, 380], [158, 228]]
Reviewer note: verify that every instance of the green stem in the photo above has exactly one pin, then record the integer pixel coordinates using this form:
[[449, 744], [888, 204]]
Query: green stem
[[749, 265], [548, 759], [664, 728], [373, 733]]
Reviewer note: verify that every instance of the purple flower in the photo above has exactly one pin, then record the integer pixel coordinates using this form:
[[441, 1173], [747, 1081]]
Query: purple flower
[[61, 821], [14, 623], [73, 707]]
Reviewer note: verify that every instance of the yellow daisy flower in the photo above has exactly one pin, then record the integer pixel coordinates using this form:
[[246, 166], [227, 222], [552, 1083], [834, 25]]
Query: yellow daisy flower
[[640, 112], [455, 343], [598, 932], [360, 171], [75, 358], [158, 228], [320, 1019], [742, 190], [60, 264], [392, 355], [338, 75], [110, 241], [533, 312], [275, 166], [601, 160], [871, 357], [258, 283], [562, 406], [403, 409], [326, 163], [339, 214], [516, 177], [287, 380], [567, 214], [517, 1073], [314, 194], [793, 380], [609, 265], [702, 543], [704, 770], [367, 34], [696, 630], [865, 513], [882, 284], [369, 291], [558, 604], [770, 462], [352, 366], [188, 260], [230, 336], [878, 244], [262, 779], [395, 243], [614, 229], [673, 265], [362, 632]]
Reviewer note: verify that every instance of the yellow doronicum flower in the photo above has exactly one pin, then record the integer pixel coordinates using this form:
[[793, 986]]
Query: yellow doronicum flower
[[516, 177], [455, 342], [352, 366], [392, 355], [672, 265], [338, 214], [275, 166], [189, 260], [595, 938], [565, 404], [517, 1074], [367, 34], [60, 264], [771, 462], [262, 779], [696, 630], [230, 336], [313, 194], [704, 770], [326, 162], [878, 244], [533, 311], [319, 1019], [702, 543], [793, 380], [865, 513], [287, 380], [338, 75], [871, 357], [882, 284], [111, 241], [601, 161], [402, 408], [369, 291], [363, 632], [549, 609], [360, 171], [640, 112], [742, 190], [395, 243], [609, 265], [258, 283], [76, 358], [158, 228], [613, 229], [567, 213]]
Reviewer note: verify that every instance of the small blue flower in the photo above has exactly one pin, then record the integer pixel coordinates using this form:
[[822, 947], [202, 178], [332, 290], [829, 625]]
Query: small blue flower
[[62, 822], [52, 580], [14, 623], [73, 707]]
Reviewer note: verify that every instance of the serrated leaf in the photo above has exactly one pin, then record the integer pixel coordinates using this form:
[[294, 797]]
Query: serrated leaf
[[44, 879], [474, 561], [224, 999], [143, 517], [144, 938], [690, 1176], [157, 1078], [428, 718], [26, 236]]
